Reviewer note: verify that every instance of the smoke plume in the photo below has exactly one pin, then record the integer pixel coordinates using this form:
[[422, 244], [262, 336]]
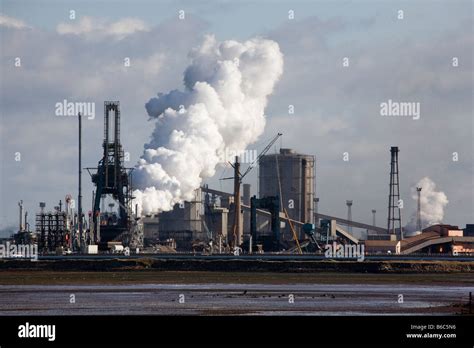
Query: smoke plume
[[432, 204], [221, 108]]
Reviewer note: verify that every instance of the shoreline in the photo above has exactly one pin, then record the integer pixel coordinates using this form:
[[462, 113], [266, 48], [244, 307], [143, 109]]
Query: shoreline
[[241, 265], [47, 277], [228, 293]]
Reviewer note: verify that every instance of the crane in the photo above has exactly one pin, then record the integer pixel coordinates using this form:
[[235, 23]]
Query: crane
[[257, 160], [237, 236]]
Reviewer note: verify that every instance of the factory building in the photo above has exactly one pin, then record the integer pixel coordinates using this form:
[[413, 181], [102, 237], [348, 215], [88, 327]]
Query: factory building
[[184, 224], [291, 176], [435, 239], [216, 223], [469, 230]]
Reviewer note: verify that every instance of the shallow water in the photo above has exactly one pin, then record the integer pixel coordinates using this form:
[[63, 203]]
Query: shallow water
[[234, 299]]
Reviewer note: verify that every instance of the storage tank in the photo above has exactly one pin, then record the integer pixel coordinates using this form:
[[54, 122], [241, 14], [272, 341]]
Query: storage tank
[[295, 179]]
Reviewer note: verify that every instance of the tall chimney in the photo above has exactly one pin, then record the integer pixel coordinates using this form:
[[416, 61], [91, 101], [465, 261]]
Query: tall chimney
[[237, 228], [418, 210], [20, 204], [349, 215], [246, 214], [79, 200], [26, 221]]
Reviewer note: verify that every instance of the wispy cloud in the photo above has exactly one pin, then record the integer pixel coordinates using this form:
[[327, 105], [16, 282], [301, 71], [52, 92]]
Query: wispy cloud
[[97, 28], [14, 23]]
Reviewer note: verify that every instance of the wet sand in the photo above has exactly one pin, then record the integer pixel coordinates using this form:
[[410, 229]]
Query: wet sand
[[202, 293]]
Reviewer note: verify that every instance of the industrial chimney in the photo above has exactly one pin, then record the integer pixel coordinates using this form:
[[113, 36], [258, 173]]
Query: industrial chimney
[[418, 210], [20, 205]]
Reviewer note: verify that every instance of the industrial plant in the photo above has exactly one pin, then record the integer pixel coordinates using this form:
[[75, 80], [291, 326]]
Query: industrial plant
[[172, 170], [283, 219]]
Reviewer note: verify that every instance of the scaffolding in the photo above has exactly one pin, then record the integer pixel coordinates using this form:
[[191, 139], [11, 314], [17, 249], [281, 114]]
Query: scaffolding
[[53, 232]]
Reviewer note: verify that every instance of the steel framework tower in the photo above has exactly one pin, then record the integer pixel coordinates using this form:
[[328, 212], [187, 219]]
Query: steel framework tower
[[112, 178], [349, 215], [418, 210], [394, 214]]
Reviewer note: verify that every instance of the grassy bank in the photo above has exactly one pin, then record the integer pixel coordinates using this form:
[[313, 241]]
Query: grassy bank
[[240, 265], [42, 277]]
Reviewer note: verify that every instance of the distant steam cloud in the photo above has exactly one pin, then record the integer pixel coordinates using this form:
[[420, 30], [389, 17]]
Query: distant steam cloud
[[221, 108], [433, 203]]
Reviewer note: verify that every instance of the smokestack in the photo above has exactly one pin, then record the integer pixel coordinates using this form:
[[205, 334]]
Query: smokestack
[[237, 229], [316, 210], [373, 217], [418, 210], [20, 204], [79, 196], [246, 214], [349, 215]]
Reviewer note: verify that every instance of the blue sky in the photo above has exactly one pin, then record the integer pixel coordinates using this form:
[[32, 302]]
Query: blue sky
[[242, 19]]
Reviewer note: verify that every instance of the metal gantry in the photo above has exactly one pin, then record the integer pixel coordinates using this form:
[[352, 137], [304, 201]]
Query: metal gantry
[[112, 178]]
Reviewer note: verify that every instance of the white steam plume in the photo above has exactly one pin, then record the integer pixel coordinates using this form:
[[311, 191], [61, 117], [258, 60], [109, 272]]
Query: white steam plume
[[221, 108], [432, 204]]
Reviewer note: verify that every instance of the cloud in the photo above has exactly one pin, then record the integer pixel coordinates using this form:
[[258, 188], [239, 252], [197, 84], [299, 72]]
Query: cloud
[[337, 110], [222, 107], [13, 23], [78, 68], [96, 28]]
